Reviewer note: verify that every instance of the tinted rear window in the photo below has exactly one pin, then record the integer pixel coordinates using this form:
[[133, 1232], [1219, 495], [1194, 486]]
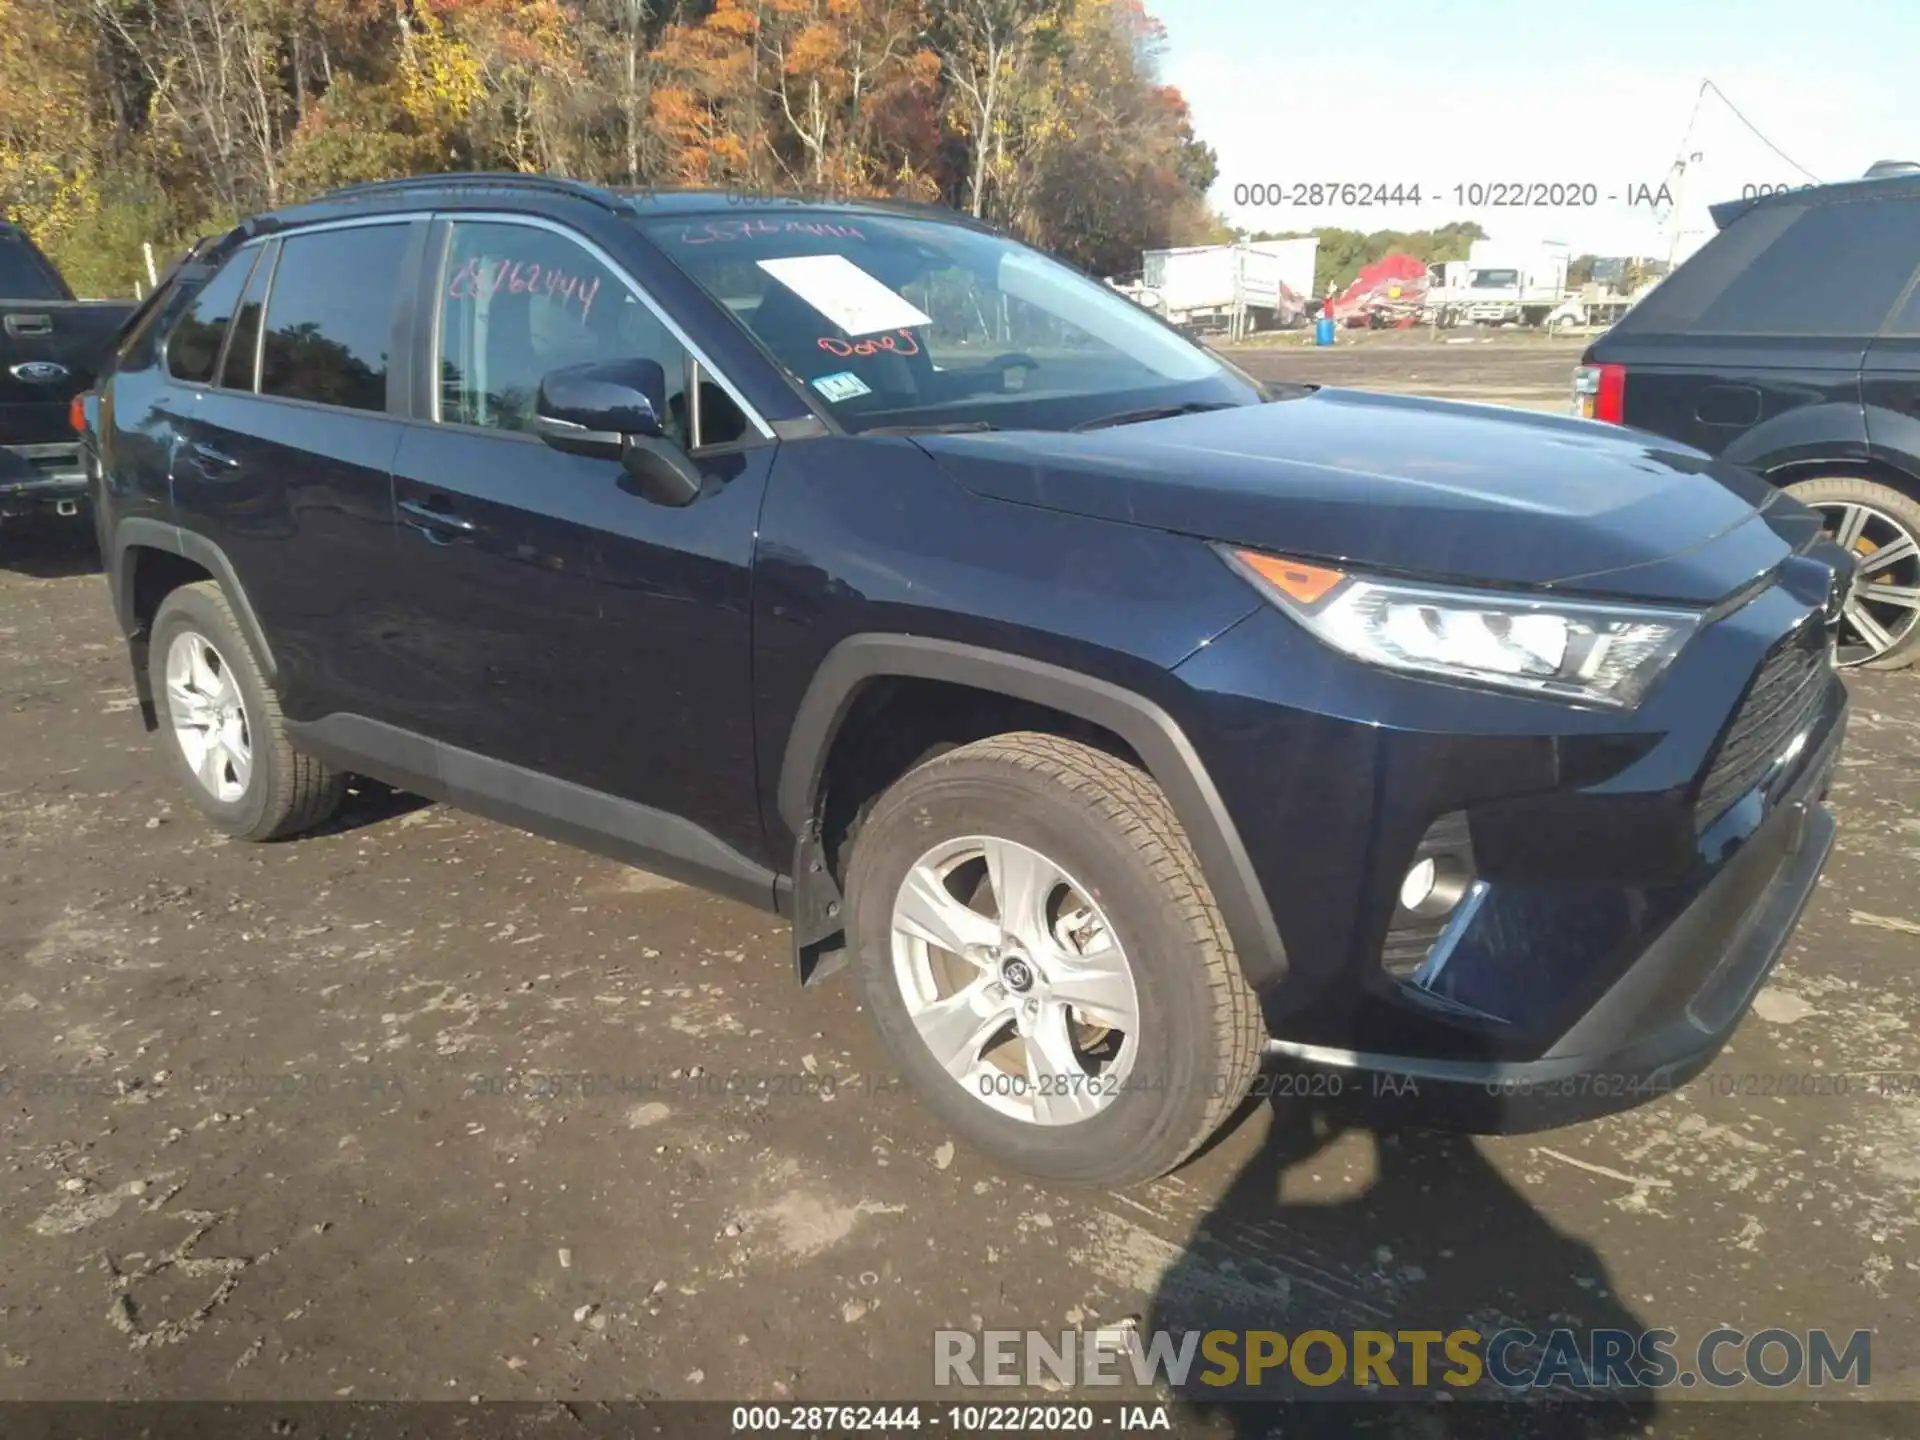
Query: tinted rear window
[[330, 316], [1815, 270], [23, 274]]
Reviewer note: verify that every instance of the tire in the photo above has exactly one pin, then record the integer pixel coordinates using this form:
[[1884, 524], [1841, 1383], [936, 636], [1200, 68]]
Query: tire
[[278, 791], [1113, 842], [1890, 521]]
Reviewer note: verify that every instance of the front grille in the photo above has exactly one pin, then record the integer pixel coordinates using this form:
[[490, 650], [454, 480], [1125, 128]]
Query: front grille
[[1785, 694]]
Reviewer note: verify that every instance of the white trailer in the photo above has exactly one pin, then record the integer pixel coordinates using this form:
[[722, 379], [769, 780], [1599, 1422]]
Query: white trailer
[[1254, 285]]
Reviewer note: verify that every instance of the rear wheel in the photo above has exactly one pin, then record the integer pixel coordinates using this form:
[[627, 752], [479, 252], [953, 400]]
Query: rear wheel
[[222, 724], [1040, 952], [1880, 527]]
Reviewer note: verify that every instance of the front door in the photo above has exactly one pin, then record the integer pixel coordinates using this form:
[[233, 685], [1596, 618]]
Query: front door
[[572, 640]]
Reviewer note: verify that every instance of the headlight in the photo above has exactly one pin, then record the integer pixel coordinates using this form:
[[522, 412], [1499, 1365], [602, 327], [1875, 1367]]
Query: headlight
[[1578, 650]]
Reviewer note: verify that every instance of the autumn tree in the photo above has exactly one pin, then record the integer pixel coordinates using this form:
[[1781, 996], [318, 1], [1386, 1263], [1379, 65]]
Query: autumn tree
[[123, 121]]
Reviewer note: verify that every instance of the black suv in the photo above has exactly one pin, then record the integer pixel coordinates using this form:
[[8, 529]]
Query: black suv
[[1122, 722], [1790, 344]]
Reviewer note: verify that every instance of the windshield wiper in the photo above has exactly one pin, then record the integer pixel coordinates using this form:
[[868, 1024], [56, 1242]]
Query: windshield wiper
[[1157, 412], [957, 427]]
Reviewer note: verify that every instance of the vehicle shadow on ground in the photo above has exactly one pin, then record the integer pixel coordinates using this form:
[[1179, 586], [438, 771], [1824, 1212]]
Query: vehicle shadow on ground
[[49, 550], [368, 803], [1437, 1240]]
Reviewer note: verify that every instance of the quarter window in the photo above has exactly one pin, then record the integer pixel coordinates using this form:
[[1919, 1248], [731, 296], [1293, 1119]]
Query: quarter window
[[193, 349], [329, 322], [1836, 271]]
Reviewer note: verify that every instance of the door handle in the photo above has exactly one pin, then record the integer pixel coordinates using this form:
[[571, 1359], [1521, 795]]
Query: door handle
[[435, 520], [210, 460]]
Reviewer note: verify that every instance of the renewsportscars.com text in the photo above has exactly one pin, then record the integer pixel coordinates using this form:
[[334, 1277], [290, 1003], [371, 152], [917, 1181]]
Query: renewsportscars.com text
[[1415, 1360]]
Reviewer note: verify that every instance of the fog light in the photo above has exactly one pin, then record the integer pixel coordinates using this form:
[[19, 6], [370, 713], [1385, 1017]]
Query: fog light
[[1418, 885], [1435, 885], [1439, 877]]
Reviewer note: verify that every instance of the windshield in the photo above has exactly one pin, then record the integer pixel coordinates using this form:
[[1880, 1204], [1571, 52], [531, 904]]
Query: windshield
[[895, 321], [1495, 279]]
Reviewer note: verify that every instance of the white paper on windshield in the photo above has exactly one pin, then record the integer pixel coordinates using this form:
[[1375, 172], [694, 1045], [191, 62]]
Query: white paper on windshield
[[845, 294]]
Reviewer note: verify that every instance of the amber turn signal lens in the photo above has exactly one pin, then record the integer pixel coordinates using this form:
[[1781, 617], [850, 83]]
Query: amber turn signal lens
[[1298, 581]]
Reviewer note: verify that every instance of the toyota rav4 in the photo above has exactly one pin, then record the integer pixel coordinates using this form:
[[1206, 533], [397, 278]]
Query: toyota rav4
[[1120, 723]]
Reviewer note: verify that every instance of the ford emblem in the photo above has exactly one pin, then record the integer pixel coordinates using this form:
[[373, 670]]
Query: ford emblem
[[39, 372]]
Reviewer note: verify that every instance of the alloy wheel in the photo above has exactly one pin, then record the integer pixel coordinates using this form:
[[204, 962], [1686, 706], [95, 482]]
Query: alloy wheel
[[1015, 980], [1884, 606], [209, 717]]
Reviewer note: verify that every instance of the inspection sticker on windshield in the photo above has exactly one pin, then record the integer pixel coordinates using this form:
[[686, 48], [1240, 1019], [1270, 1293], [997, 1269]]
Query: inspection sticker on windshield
[[845, 385], [844, 293]]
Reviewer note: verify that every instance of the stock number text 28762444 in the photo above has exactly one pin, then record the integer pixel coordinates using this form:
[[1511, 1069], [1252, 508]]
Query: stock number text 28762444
[[1310, 193]]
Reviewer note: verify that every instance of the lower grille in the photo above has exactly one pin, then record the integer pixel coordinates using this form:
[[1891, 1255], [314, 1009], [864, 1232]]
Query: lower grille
[[1785, 695]]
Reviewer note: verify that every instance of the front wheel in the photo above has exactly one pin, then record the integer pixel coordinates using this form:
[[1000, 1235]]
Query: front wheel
[[1880, 527], [1042, 956]]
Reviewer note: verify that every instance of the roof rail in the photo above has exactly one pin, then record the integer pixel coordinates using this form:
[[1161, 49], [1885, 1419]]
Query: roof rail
[[481, 180]]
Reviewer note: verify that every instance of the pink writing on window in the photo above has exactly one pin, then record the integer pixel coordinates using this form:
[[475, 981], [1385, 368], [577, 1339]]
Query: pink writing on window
[[477, 278], [904, 345], [714, 231]]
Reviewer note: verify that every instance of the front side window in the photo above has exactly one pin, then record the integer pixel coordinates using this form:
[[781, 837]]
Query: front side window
[[329, 320], [897, 320], [193, 349], [518, 302]]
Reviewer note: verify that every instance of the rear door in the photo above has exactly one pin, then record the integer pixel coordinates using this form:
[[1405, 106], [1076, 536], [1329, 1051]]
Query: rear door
[[286, 455], [558, 623], [1773, 316]]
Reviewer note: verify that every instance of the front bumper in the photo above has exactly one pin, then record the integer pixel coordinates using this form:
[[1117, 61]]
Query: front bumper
[[1631, 883], [1655, 1028]]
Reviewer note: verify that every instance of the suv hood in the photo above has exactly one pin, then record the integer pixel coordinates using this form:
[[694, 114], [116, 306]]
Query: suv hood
[[1473, 493]]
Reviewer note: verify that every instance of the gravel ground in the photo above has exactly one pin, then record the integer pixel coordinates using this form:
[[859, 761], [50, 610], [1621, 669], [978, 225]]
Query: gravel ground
[[426, 1108]]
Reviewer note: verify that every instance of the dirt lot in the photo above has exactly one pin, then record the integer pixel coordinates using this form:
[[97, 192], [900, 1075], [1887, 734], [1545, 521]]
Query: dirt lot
[[1530, 371], [426, 1108]]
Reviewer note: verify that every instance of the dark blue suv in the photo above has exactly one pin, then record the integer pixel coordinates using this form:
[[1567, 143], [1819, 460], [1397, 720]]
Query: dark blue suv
[[1124, 723]]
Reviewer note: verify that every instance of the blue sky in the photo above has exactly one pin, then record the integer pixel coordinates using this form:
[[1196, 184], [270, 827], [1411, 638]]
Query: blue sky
[[1447, 92]]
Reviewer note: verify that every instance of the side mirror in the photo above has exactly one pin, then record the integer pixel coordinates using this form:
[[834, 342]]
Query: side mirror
[[612, 410], [588, 409]]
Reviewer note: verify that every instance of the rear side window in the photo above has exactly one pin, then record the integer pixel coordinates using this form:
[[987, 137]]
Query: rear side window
[[193, 349], [329, 323], [24, 275], [1906, 320], [1820, 270], [236, 371]]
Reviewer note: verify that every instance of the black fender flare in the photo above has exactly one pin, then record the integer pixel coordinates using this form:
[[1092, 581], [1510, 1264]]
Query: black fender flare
[[138, 532], [1153, 734]]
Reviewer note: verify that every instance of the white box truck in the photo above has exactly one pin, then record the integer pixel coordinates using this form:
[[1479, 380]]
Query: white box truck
[[1500, 284], [1254, 285]]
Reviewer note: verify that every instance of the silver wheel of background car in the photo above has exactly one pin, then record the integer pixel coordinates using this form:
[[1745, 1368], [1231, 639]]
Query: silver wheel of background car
[[1015, 980], [209, 717], [1885, 604]]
